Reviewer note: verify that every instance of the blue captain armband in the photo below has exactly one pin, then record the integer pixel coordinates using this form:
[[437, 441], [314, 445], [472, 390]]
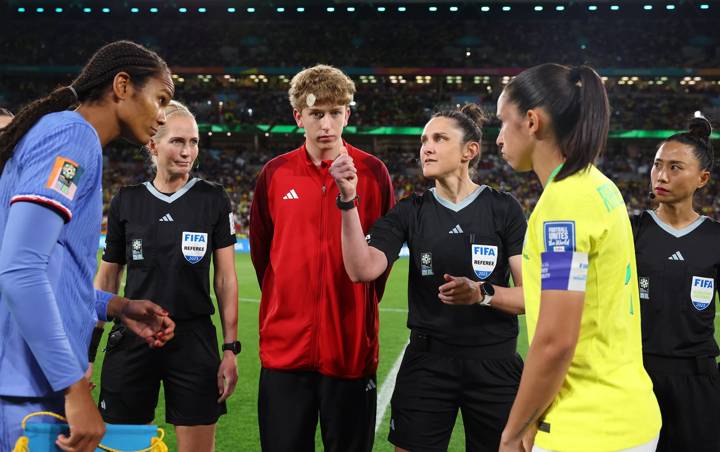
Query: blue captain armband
[[565, 270]]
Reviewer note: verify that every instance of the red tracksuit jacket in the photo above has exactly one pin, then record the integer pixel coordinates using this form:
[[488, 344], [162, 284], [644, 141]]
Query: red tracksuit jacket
[[312, 317]]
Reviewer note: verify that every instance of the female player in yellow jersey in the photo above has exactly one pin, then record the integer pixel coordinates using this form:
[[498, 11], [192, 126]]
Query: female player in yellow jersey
[[584, 387]]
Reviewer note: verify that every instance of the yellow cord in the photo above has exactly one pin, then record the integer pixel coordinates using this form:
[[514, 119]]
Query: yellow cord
[[22, 444]]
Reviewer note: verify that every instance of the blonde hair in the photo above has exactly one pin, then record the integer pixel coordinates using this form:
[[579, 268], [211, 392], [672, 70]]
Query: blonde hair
[[173, 108], [321, 84]]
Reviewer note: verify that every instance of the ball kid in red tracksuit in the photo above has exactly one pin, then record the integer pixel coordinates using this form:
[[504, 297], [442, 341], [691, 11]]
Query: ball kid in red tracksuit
[[318, 329]]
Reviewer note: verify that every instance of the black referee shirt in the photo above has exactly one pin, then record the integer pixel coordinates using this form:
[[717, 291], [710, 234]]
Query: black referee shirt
[[678, 276], [167, 241], [473, 238]]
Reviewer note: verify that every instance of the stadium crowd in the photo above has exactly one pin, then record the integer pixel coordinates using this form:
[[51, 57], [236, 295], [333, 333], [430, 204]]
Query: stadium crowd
[[646, 104], [626, 163]]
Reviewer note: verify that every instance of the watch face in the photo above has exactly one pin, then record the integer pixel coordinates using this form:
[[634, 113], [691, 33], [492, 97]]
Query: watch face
[[489, 289]]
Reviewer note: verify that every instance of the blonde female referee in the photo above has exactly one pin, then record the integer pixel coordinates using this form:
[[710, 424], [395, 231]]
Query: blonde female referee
[[583, 387]]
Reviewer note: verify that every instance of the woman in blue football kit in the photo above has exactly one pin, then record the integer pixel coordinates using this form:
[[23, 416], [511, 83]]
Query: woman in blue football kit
[[50, 193]]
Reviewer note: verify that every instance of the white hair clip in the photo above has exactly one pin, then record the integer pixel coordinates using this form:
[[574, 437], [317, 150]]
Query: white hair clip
[[310, 100]]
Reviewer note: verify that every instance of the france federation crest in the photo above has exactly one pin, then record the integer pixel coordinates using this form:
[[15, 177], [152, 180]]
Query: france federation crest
[[194, 245], [702, 292], [484, 259]]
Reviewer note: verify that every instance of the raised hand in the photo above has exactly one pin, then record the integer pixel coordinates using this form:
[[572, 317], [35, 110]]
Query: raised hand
[[345, 174]]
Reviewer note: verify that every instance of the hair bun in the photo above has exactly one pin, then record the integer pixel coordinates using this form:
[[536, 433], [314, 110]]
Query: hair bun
[[700, 127], [475, 113]]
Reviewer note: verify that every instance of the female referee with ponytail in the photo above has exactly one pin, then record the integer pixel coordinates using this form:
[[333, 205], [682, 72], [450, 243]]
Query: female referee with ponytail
[[166, 232], [583, 387], [678, 258], [50, 215], [465, 241]]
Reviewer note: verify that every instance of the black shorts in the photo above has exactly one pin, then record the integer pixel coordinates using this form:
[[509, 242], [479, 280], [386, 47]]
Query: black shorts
[[688, 392], [187, 367], [289, 403], [434, 383]]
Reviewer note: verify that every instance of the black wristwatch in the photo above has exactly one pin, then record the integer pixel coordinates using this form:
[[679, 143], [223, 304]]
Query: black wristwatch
[[346, 205], [488, 291], [233, 347]]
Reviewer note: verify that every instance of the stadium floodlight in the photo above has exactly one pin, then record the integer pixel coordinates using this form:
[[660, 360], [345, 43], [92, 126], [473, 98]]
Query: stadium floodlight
[[154, 10], [704, 6], [58, 10], [40, 10], [698, 114], [381, 9], [432, 9], [538, 8], [106, 10], [202, 10], [300, 9], [484, 9], [454, 9], [506, 8], [134, 10], [251, 10], [182, 10], [560, 8], [231, 10], [670, 7], [280, 9], [592, 7], [21, 10], [330, 9], [614, 7], [87, 10], [402, 9], [647, 7], [351, 9]]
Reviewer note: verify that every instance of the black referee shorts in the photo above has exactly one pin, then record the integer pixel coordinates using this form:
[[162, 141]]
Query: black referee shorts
[[290, 402], [187, 367], [436, 380], [688, 392]]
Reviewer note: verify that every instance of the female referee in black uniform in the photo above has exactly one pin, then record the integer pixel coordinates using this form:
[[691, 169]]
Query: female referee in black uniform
[[678, 258], [465, 240], [165, 232]]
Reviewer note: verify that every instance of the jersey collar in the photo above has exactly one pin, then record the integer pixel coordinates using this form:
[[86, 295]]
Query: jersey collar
[[463, 203], [175, 196], [677, 233], [553, 174]]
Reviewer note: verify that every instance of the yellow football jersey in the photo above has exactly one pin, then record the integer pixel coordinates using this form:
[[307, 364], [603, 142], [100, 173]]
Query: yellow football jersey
[[579, 238]]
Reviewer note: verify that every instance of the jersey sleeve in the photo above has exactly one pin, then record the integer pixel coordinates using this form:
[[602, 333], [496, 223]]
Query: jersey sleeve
[[391, 230], [567, 244], [115, 240], [514, 228], [59, 169], [29, 241], [261, 226], [224, 231]]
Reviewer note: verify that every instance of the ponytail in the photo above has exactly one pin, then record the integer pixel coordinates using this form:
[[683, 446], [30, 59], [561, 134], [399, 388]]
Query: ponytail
[[576, 101]]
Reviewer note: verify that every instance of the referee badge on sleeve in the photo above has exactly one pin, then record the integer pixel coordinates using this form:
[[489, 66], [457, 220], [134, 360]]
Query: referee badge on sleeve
[[194, 245], [426, 264], [484, 260], [137, 250]]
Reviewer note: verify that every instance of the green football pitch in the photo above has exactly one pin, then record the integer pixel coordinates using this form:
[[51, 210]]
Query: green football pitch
[[238, 430]]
